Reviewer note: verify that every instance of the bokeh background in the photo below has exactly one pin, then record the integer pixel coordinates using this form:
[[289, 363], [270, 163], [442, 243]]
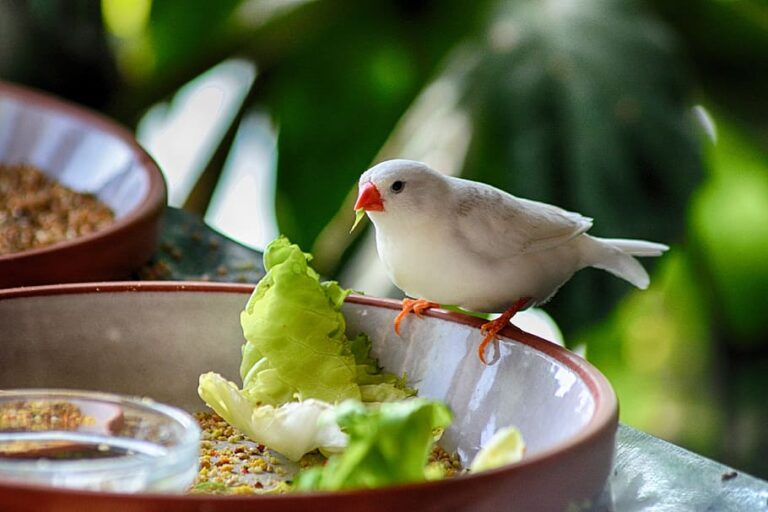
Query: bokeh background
[[649, 116]]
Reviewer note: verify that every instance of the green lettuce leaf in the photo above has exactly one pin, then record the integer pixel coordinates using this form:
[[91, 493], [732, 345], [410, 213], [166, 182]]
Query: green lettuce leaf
[[296, 345], [387, 445], [359, 214], [505, 447], [296, 350], [376, 385], [293, 428]]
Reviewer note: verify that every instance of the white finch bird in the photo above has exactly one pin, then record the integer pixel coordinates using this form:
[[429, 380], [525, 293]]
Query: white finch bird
[[446, 240]]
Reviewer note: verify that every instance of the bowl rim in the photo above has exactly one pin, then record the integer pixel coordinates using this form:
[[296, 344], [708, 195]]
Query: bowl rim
[[604, 421], [155, 197]]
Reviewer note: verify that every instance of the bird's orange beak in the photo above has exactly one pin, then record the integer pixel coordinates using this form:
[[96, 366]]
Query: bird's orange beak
[[369, 199]]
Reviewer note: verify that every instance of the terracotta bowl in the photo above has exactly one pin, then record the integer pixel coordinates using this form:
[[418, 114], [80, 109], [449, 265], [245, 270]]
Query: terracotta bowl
[[155, 339], [88, 153]]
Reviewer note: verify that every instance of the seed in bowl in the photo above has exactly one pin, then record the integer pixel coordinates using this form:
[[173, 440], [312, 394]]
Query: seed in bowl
[[36, 415], [36, 211], [230, 463]]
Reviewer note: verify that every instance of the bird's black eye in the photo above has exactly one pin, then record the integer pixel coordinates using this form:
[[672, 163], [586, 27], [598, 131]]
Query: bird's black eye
[[397, 186]]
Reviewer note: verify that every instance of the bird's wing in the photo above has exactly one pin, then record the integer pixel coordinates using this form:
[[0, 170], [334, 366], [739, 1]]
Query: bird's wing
[[500, 225]]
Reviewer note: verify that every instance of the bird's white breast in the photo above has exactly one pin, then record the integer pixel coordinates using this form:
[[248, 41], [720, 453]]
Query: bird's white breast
[[430, 262]]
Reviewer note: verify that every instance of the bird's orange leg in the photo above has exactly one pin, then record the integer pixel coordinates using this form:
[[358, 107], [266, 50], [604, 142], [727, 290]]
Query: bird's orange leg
[[492, 328], [417, 306]]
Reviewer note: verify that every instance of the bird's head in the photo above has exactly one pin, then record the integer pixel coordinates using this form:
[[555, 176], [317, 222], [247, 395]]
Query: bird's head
[[399, 188]]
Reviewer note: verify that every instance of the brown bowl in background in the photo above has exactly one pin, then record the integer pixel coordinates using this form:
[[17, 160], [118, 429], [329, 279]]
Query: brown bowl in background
[[88, 153]]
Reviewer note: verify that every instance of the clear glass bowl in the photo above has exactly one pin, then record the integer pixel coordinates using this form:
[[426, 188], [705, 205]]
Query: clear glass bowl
[[96, 441]]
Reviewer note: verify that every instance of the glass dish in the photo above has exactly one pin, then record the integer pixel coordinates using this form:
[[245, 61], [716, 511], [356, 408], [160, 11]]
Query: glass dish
[[96, 441]]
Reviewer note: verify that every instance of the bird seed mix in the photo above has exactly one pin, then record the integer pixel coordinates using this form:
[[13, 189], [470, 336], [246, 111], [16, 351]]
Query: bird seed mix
[[230, 463], [36, 211]]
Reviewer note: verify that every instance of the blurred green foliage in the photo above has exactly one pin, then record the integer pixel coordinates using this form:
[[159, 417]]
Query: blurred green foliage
[[585, 107], [335, 107], [730, 223], [588, 105]]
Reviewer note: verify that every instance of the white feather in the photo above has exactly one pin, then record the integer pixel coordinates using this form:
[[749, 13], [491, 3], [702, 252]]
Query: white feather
[[455, 241]]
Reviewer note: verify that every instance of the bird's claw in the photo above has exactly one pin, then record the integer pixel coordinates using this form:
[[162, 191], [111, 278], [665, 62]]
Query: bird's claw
[[417, 306], [481, 348], [491, 329]]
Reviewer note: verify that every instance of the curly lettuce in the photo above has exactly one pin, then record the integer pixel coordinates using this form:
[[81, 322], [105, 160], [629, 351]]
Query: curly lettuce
[[296, 342], [293, 428], [296, 349], [505, 447], [387, 445]]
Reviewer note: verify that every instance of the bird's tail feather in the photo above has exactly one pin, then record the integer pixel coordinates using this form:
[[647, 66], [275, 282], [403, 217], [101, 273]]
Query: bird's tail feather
[[616, 256], [636, 247]]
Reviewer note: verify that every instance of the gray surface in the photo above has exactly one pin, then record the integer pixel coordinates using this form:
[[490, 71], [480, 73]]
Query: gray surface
[[189, 250], [654, 475]]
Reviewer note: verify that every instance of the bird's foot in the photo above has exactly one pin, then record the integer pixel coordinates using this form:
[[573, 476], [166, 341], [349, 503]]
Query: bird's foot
[[417, 306], [491, 329]]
